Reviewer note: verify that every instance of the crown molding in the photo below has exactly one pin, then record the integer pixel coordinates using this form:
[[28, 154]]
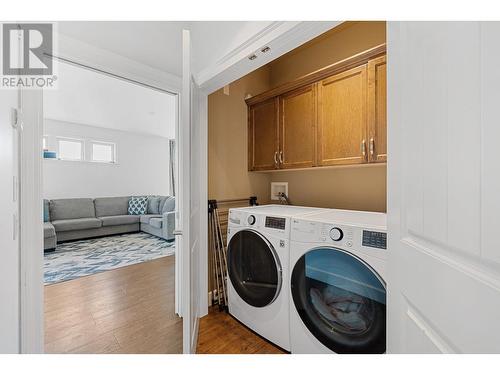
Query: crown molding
[[280, 36]]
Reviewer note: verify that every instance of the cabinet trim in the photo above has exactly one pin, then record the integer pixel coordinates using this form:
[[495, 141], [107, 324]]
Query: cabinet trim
[[338, 67]]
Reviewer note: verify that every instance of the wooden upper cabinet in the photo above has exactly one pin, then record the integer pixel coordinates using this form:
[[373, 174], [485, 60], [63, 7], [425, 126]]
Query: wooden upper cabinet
[[333, 116], [297, 123], [377, 109], [263, 135], [342, 118]]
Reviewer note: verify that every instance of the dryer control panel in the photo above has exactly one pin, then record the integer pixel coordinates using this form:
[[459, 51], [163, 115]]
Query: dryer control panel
[[265, 223], [275, 222]]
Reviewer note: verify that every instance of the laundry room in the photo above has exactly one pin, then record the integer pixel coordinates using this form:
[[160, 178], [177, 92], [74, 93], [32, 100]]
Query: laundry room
[[307, 129], [344, 179]]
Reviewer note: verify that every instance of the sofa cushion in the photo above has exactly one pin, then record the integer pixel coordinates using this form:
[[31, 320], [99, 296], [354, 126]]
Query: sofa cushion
[[145, 218], [169, 205], [108, 221], [76, 224], [46, 210], [48, 230], [153, 204], [75, 208], [111, 206], [163, 198], [137, 205], [156, 222]]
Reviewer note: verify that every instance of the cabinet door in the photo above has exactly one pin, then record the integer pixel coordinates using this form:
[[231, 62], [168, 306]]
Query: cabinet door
[[263, 135], [297, 124], [377, 109], [342, 116]]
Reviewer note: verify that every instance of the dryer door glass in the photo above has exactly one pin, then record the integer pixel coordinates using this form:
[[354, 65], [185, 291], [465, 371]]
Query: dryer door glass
[[254, 268], [341, 300]]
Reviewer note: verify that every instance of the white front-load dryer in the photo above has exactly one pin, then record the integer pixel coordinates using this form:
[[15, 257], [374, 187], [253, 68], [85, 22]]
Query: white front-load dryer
[[337, 282], [258, 278]]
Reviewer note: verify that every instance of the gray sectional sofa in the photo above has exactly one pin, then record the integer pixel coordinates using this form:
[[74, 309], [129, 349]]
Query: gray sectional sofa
[[79, 218]]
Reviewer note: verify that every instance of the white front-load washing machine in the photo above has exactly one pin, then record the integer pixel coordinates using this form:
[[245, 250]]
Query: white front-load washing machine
[[257, 259], [337, 282]]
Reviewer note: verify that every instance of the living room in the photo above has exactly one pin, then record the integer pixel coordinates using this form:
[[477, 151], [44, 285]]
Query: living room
[[109, 178]]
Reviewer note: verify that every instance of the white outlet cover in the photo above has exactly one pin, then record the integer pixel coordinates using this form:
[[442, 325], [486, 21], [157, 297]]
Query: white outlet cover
[[278, 187]]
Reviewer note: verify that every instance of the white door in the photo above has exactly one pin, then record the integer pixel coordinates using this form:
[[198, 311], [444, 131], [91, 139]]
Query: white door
[[190, 199], [444, 187], [9, 227]]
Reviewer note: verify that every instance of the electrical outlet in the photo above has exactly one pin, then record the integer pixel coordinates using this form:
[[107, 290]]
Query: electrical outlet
[[277, 188]]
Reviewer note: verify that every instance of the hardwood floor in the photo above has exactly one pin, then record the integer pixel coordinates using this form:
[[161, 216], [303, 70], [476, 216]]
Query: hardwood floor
[[131, 310], [220, 333], [126, 310]]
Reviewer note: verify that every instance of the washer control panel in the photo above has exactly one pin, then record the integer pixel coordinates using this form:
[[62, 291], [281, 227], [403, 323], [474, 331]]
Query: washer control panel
[[375, 239], [372, 241], [336, 234], [341, 235]]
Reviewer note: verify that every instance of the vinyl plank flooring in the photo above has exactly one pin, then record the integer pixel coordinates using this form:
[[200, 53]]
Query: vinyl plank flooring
[[125, 310]]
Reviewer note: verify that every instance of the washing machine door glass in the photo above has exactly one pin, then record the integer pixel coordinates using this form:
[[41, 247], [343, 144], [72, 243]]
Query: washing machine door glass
[[341, 300], [254, 268]]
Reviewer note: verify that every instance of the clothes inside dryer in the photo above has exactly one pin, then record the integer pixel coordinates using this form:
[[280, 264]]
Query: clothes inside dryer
[[341, 300]]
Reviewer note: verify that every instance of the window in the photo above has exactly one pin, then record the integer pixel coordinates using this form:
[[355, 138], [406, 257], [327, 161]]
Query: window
[[70, 149], [103, 152]]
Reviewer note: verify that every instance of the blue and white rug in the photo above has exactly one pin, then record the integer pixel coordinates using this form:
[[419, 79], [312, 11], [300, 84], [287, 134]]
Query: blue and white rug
[[86, 257]]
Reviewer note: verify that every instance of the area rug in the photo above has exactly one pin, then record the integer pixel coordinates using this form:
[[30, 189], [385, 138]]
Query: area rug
[[87, 257]]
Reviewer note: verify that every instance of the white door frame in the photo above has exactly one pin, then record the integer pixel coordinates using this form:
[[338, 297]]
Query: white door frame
[[31, 220]]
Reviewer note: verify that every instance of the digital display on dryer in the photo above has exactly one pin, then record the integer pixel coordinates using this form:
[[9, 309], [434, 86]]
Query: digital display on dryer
[[375, 239], [275, 222]]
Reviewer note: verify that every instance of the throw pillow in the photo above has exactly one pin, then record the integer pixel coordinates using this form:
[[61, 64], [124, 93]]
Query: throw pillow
[[137, 205], [46, 216], [153, 203]]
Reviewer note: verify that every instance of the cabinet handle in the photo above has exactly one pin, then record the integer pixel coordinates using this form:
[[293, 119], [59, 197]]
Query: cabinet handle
[[275, 158], [281, 157], [372, 146], [363, 148]]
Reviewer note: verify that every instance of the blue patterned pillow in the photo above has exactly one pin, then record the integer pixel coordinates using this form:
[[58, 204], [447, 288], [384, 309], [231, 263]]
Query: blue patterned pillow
[[137, 205], [46, 215]]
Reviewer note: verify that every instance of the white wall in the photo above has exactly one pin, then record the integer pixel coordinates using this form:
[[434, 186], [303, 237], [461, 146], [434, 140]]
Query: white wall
[[141, 168]]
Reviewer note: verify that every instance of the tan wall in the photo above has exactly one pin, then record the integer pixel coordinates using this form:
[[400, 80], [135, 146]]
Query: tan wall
[[358, 188], [337, 44], [228, 176], [354, 187]]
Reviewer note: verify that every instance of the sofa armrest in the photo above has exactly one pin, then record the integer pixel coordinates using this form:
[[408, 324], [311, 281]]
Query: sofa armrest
[[168, 225]]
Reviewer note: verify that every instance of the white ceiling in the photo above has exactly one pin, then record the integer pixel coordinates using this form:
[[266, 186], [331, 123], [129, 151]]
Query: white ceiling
[[159, 44], [87, 97]]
